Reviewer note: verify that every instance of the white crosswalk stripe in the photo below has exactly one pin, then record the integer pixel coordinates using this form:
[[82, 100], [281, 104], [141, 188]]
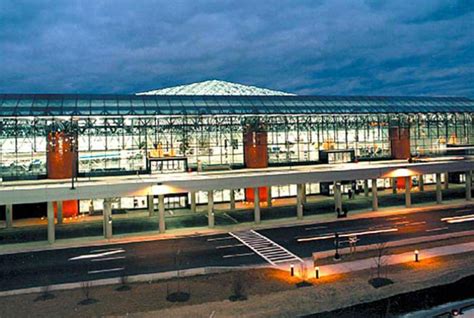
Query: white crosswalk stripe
[[266, 248]]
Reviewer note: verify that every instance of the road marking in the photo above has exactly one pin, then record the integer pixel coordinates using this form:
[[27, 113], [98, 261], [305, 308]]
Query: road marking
[[229, 246], [401, 223], [105, 250], [265, 248], [315, 228], [459, 219], [396, 218], [329, 236], [416, 223], [220, 238], [238, 255], [107, 259], [88, 256], [437, 229], [106, 270]]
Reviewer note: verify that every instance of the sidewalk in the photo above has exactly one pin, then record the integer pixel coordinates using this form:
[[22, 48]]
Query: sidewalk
[[394, 259], [199, 231]]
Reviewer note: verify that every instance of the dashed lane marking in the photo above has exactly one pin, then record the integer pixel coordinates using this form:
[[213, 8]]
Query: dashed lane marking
[[107, 259], [315, 228], [105, 250], [416, 223], [117, 269], [238, 255], [229, 246], [437, 229], [219, 238], [331, 235]]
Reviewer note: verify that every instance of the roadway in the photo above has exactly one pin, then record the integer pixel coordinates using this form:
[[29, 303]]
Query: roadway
[[24, 270]]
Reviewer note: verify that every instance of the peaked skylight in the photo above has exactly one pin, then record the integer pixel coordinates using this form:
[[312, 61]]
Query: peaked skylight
[[215, 87]]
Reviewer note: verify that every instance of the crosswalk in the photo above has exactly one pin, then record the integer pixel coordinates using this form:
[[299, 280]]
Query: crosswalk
[[266, 248]]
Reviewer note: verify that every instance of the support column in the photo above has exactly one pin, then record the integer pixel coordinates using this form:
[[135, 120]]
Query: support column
[[256, 206], [393, 181], [468, 185], [50, 214], [407, 192], [421, 183], [439, 194], [193, 201], [269, 197], [446, 180], [107, 215], [60, 212], [232, 199], [366, 188], [299, 201], [161, 213], [303, 194], [375, 199], [9, 215], [151, 205], [210, 208]]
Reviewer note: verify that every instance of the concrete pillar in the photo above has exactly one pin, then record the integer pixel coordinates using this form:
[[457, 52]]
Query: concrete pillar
[[256, 206], [439, 194], [210, 208], [303, 199], [269, 197], [468, 185], [107, 216], [60, 212], [366, 188], [232, 199], [375, 198], [421, 183], [393, 181], [151, 205], [446, 180], [9, 215], [161, 213], [192, 194], [50, 214], [337, 196], [299, 201], [408, 192]]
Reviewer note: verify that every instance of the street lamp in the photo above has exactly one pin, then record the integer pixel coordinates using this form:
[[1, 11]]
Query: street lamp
[[337, 256], [316, 272], [417, 258], [292, 270]]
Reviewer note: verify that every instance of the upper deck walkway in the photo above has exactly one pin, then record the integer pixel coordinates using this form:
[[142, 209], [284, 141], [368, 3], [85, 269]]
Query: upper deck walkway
[[19, 192]]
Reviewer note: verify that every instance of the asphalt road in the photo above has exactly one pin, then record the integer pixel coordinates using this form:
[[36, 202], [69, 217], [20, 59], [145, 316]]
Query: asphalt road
[[24, 270]]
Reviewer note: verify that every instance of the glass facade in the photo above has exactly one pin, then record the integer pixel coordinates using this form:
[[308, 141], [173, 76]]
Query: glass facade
[[116, 133]]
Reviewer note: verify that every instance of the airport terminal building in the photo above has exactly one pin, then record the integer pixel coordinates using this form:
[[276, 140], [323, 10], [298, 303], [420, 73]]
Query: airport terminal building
[[219, 126]]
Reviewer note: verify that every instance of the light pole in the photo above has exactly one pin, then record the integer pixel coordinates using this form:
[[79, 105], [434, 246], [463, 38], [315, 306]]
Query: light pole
[[336, 243]]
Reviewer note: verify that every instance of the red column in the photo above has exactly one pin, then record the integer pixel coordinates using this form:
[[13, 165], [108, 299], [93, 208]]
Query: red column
[[61, 162], [400, 146], [255, 156]]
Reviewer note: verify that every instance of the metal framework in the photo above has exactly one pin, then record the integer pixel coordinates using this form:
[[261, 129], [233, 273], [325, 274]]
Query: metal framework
[[115, 132]]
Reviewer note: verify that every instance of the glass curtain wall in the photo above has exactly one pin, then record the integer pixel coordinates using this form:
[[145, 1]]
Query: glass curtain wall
[[120, 144]]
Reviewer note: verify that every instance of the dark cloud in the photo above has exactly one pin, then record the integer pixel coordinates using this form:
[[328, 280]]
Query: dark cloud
[[419, 47]]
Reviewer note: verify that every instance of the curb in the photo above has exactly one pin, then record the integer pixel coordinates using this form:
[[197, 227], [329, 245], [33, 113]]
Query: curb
[[130, 279]]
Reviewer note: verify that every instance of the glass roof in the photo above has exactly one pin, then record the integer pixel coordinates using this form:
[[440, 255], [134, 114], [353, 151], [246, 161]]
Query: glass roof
[[117, 105]]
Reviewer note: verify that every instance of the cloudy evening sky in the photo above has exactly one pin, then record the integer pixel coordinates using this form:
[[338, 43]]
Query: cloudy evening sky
[[336, 47]]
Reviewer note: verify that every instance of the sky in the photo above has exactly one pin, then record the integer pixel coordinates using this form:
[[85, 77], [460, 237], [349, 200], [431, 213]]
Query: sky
[[316, 47]]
